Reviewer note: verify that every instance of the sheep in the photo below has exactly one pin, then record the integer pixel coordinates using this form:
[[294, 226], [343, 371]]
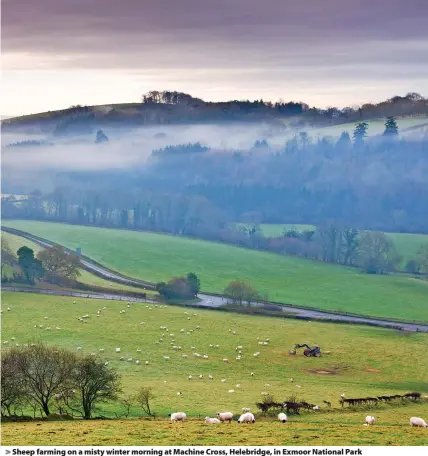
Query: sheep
[[291, 379], [209, 420], [417, 422], [282, 417], [179, 393], [138, 350], [316, 407], [210, 377], [185, 356], [166, 358], [246, 410], [101, 349], [205, 357], [201, 376], [225, 360], [231, 391], [117, 350], [246, 418], [146, 363], [137, 361], [225, 416], [189, 377], [223, 380], [252, 374], [106, 363], [79, 348], [370, 420], [178, 416]]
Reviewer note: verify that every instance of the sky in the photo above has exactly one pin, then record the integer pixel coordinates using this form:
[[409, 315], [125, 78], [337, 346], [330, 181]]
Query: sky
[[58, 53]]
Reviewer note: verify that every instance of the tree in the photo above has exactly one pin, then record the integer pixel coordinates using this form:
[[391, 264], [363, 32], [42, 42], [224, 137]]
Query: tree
[[143, 398], [360, 132], [57, 262], [377, 253], [344, 140], [350, 245], [422, 258], [194, 283], [32, 267], [330, 239], [101, 137], [14, 393], [176, 288], [7, 255], [46, 370], [239, 291], [94, 382], [391, 127]]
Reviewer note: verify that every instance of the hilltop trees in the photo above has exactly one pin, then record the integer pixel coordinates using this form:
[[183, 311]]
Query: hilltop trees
[[391, 127], [360, 132], [101, 137]]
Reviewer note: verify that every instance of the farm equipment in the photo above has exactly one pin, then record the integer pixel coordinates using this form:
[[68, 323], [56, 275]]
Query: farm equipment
[[314, 351]]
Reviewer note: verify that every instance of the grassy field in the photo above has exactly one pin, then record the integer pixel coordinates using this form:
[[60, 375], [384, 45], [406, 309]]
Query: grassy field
[[156, 257], [15, 242], [406, 244], [362, 361], [343, 429]]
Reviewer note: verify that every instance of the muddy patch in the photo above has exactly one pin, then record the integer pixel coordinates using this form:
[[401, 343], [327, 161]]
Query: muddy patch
[[371, 369], [322, 372]]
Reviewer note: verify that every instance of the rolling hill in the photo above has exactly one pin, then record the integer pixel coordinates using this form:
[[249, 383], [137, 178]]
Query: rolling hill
[[155, 257]]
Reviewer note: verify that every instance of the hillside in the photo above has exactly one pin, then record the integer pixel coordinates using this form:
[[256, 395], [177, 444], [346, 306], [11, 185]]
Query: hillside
[[362, 361], [156, 257]]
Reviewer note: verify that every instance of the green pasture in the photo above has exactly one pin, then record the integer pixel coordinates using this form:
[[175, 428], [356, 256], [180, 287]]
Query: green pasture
[[362, 361], [155, 257]]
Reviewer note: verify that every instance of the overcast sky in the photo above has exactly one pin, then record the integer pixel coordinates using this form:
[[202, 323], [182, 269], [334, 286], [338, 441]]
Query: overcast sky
[[56, 53]]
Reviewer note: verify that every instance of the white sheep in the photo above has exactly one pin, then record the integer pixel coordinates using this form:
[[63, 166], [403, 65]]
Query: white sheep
[[185, 356], [210, 377], [246, 418], [246, 410], [209, 420], [225, 360], [225, 416], [231, 391], [146, 363], [137, 361], [370, 420], [252, 374], [282, 417], [117, 350], [418, 422], [178, 416], [201, 376], [189, 377], [166, 358]]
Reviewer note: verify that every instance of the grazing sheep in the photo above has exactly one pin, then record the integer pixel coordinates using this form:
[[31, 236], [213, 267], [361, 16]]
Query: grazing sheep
[[252, 374], [137, 361], [210, 377], [117, 350], [101, 349], [246, 418], [225, 360], [146, 363], [179, 393], [316, 407], [370, 420], [231, 391], [106, 363], [185, 356], [189, 377], [225, 416], [417, 422], [138, 350], [166, 358], [282, 417], [223, 380], [201, 376], [79, 348], [246, 410], [209, 420], [178, 416]]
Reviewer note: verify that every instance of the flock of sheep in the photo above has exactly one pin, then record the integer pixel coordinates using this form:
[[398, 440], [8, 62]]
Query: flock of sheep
[[248, 417], [221, 417]]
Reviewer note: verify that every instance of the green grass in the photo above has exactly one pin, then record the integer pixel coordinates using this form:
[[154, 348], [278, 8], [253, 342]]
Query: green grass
[[15, 242], [367, 362], [156, 257]]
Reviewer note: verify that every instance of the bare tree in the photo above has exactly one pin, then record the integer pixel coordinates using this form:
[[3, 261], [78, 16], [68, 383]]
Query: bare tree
[[57, 262], [143, 399], [46, 370], [94, 382], [14, 393]]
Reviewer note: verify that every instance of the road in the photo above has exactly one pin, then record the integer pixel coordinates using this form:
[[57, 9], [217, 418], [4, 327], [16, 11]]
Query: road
[[206, 300]]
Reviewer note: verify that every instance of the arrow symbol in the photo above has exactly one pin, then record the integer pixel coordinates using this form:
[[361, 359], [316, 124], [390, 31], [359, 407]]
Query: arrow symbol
[[7, 451]]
